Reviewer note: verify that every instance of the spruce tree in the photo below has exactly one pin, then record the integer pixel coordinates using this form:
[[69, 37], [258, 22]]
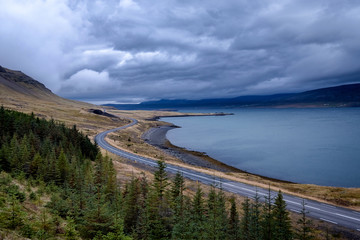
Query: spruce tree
[[255, 218], [158, 210], [131, 207], [98, 216], [182, 228], [111, 184], [267, 222], [216, 224], [234, 222], [62, 166], [304, 230], [158, 226], [198, 215], [177, 196], [282, 222], [160, 180], [142, 224], [245, 220]]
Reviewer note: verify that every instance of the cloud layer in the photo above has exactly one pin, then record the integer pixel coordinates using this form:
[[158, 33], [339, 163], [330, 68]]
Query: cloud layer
[[134, 50]]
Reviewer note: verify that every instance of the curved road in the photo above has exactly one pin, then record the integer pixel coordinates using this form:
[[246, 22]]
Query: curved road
[[325, 212]]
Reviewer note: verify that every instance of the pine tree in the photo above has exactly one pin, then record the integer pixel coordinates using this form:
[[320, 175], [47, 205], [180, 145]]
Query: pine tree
[[142, 224], [131, 207], [98, 216], [282, 223], [267, 222], [216, 224], [198, 215], [99, 169], [177, 196], [14, 156], [111, 185], [255, 215], [35, 164], [13, 215], [62, 166], [158, 227], [160, 180], [70, 230], [24, 160], [158, 209], [234, 222], [182, 228], [245, 220], [305, 231]]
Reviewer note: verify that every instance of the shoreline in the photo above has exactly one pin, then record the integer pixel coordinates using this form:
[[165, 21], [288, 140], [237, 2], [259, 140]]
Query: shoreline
[[156, 137], [156, 118]]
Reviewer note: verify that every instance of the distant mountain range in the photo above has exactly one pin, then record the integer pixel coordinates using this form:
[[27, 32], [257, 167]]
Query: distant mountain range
[[339, 96]]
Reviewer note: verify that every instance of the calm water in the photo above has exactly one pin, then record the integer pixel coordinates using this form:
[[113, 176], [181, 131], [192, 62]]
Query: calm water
[[320, 146]]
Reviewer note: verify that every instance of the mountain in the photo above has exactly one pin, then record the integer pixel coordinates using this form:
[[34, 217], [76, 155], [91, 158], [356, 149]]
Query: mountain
[[22, 93], [17, 88], [339, 96]]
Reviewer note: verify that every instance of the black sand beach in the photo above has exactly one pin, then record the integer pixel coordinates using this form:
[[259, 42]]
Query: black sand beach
[[157, 137]]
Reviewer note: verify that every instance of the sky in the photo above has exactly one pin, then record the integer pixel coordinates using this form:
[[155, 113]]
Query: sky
[[128, 51]]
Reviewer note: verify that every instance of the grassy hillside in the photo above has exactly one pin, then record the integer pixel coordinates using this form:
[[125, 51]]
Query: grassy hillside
[[22, 93]]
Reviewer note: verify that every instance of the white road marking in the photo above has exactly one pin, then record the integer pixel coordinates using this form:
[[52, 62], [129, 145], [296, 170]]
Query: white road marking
[[293, 202], [356, 219], [315, 208], [326, 220], [326, 205], [295, 210]]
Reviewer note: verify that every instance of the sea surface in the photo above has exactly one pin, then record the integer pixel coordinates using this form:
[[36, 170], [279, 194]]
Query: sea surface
[[318, 146]]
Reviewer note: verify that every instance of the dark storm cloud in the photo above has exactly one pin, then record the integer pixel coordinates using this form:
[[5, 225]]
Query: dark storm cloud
[[133, 50]]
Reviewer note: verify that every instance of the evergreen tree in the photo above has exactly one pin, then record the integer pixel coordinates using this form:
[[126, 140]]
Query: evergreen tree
[[24, 158], [62, 166], [160, 180], [13, 215], [304, 230], [282, 223], [131, 207], [245, 220], [234, 222], [182, 228], [198, 219], [177, 195], [35, 164], [216, 224], [111, 185], [142, 224], [70, 230], [255, 215], [267, 223], [158, 225], [98, 217], [157, 206]]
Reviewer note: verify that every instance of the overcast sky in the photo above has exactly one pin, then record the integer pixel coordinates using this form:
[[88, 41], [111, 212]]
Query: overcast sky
[[134, 50]]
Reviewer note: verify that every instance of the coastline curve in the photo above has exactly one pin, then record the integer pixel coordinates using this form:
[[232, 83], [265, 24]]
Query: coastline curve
[[341, 216]]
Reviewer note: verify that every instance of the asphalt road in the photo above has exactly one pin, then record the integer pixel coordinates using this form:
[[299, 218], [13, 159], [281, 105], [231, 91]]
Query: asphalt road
[[325, 212]]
